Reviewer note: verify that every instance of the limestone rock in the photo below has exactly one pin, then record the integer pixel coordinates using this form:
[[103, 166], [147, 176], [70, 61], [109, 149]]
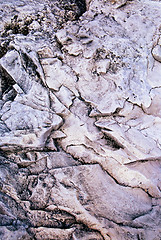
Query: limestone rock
[[80, 119]]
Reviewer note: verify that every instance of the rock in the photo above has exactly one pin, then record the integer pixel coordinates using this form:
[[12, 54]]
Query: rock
[[57, 75], [50, 233], [102, 66], [156, 52], [80, 142], [65, 96], [17, 74], [45, 52], [92, 174], [5, 233], [60, 160], [57, 134]]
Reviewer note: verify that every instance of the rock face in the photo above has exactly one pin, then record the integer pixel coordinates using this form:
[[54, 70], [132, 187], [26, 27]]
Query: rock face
[[80, 120]]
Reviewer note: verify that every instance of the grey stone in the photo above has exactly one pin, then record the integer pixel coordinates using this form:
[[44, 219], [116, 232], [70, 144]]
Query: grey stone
[[80, 142]]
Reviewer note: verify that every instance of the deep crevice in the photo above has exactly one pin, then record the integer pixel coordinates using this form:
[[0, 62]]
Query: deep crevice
[[6, 85], [82, 6], [112, 142], [78, 7]]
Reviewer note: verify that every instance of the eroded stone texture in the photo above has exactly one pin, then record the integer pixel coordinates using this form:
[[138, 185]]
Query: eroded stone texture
[[80, 119]]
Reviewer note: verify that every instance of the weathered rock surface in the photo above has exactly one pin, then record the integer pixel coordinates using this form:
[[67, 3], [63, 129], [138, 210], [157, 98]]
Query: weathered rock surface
[[80, 120]]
